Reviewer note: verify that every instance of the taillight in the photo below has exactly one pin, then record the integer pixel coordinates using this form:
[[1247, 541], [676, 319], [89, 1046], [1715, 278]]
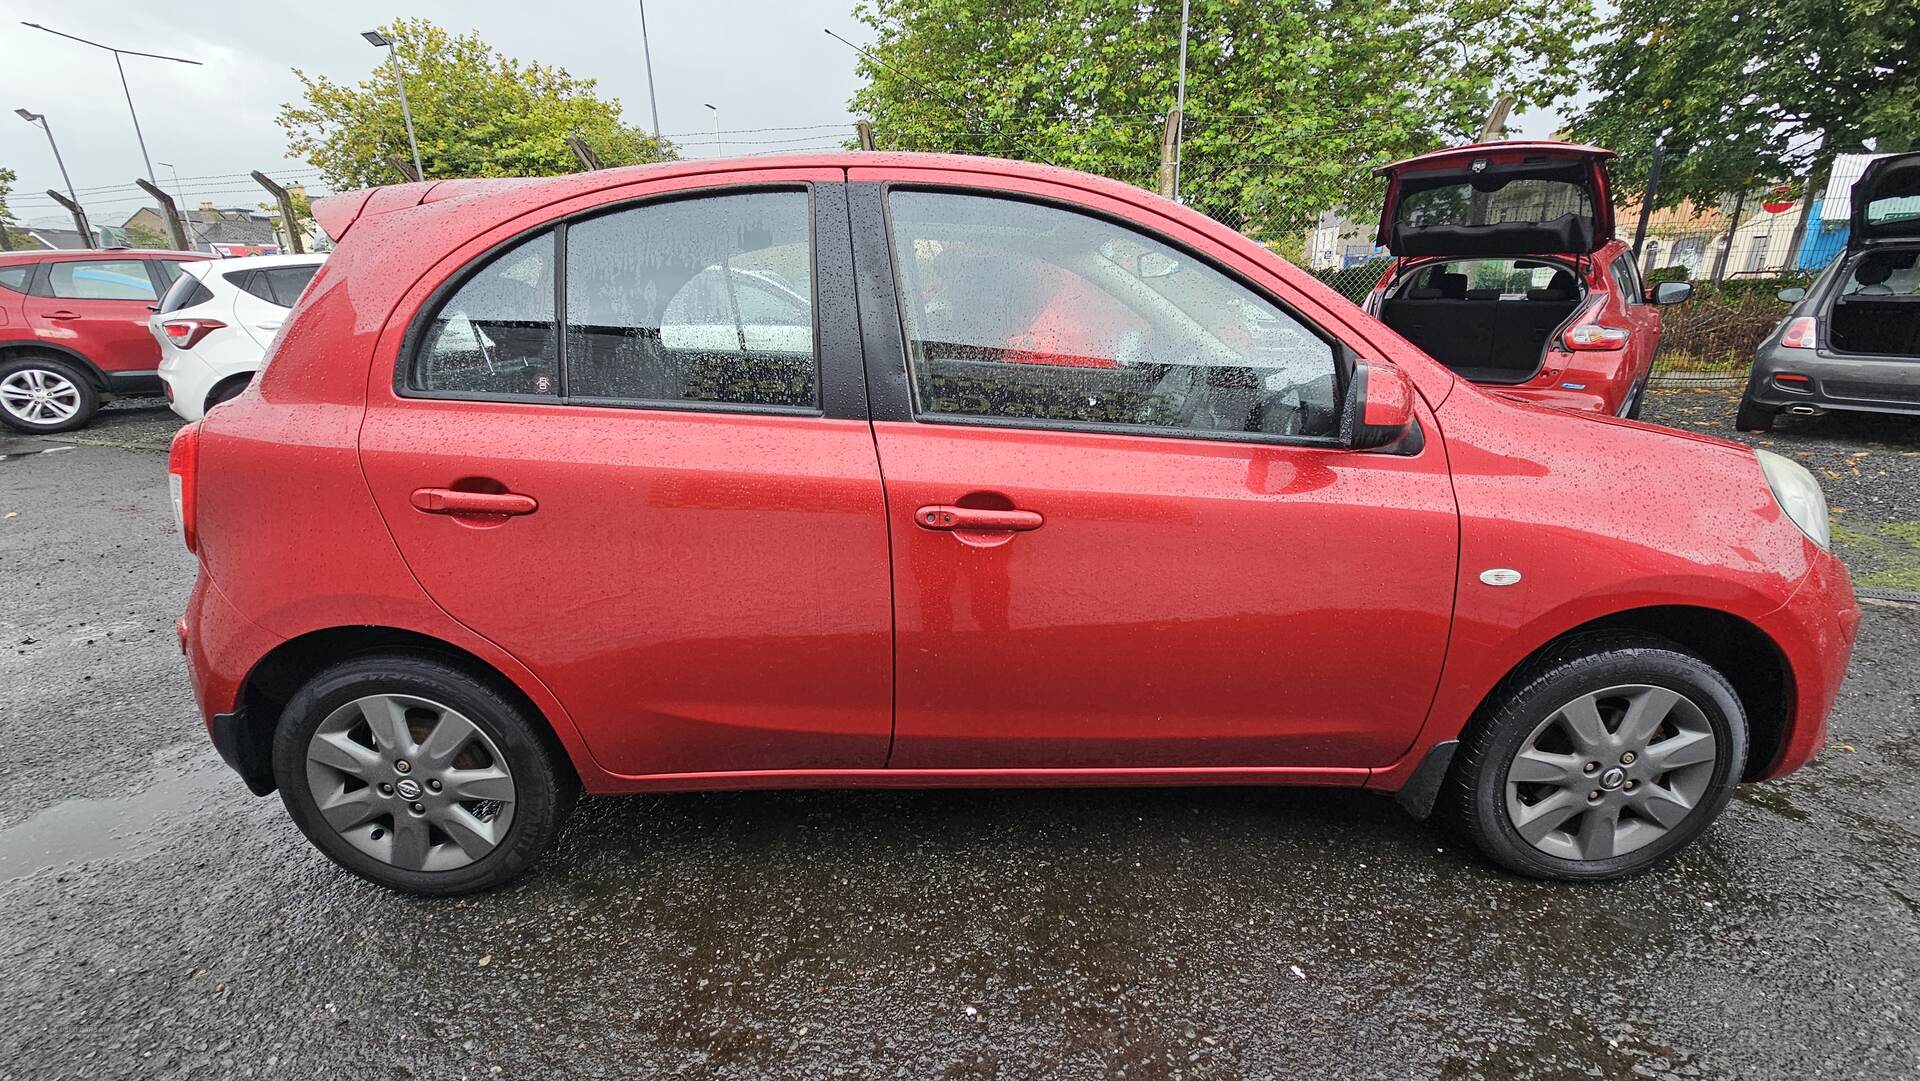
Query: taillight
[[186, 333], [183, 472], [1591, 333], [1799, 333]]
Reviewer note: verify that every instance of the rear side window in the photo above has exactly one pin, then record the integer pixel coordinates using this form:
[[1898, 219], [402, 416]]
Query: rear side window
[[16, 277], [251, 281], [284, 284], [697, 300], [186, 292], [495, 335], [100, 279]]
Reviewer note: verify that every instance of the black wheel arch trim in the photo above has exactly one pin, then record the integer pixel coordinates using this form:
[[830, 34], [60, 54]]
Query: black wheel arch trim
[[1422, 791], [99, 377], [244, 748]]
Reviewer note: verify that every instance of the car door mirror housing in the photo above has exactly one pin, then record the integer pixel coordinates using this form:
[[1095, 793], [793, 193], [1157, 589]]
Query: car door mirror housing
[[1379, 407], [1792, 294], [1672, 292]]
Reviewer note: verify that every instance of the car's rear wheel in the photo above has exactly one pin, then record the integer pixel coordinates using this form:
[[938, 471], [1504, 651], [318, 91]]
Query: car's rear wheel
[[1753, 418], [418, 776], [1600, 758], [43, 394], [227, 390]]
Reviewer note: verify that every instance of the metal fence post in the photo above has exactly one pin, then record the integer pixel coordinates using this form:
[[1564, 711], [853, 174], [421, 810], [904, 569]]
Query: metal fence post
[[1726, 252], [79, 217], [176, 229], [865, 131], [286, 210], [1646, 201]]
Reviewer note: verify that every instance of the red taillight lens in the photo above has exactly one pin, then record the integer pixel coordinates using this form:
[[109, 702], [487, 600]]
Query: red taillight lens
[[1595, 336], [183, 474], [186, 333], [1800, 333]]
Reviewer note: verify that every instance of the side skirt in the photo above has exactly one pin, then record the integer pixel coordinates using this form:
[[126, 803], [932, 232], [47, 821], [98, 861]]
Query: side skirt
[[614, 784]]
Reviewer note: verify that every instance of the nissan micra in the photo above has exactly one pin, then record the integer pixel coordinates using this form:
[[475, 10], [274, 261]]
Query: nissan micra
[[896, 470]]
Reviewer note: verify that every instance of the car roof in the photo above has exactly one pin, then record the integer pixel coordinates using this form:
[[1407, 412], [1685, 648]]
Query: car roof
[[253, 262], [50, 255]]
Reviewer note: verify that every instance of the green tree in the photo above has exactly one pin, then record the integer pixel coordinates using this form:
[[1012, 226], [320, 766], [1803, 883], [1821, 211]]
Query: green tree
[[1290, 103], [140, 236], [16, 238], [1752, 91], [476, 112]]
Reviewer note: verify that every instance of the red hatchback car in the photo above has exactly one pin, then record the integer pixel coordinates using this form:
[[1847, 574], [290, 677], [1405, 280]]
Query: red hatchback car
[[73, 332], [899, 470], [1509, 273]]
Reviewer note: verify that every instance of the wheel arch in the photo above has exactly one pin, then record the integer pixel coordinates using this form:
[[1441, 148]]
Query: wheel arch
[[16, 347], [274, 678], [1739, 650]]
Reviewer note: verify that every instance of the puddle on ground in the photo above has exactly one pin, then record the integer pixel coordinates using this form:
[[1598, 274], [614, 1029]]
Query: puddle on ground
[[88, 830]]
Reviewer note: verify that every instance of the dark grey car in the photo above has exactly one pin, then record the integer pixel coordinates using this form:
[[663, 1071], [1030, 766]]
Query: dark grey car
[[1851, 341]]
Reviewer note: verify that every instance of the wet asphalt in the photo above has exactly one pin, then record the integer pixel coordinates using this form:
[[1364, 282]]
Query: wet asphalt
[[156, 921]]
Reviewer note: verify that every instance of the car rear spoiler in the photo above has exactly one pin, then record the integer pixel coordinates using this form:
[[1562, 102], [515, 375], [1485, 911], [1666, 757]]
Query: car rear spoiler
[[337, 213]]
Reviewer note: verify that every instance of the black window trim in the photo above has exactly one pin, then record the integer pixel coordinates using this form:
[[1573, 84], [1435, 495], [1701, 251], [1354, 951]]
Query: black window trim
[[1344, 358], [415, 338]]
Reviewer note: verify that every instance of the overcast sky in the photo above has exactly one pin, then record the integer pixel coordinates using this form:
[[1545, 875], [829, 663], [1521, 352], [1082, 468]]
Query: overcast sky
[[764, 63]]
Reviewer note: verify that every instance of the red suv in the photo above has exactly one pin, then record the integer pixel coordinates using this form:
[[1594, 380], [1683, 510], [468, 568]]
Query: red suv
[[899, 470], [73, 332], [1508, 272]]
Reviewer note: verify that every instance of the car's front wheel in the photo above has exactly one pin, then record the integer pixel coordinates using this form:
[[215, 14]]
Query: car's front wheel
[[1600, 758], [418, 776], [44, 394], [1753, 418]]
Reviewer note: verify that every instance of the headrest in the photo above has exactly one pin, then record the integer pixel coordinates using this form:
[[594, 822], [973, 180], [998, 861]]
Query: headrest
[[1549, 294], [1423, 294], [1873, 270], [1562, 281], [1452, 286]]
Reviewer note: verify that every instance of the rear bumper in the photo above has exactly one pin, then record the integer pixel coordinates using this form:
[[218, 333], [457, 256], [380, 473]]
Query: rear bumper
[[221, 647], [1883, 385], [1815, 631]]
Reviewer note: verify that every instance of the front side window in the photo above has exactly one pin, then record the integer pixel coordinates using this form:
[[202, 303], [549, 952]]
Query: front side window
[[495, 335], [100, 279], [697, 300], [1021, 311]]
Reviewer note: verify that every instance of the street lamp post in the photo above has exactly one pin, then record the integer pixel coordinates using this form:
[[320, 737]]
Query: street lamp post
[[180, 194], [378, 40], [646, 51], [719, 148], [124, 88], [79, 216]]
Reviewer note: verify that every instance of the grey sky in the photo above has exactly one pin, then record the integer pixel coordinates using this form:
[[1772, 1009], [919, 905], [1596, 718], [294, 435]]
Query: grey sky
[[764, 63]]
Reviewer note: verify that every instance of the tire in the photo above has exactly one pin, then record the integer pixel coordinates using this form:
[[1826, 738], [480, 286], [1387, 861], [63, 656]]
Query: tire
[[1753, 418], [226, 391], [1530, 711], [455, 846], [42, 394]]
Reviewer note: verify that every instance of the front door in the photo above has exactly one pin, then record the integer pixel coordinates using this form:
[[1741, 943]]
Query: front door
[[99, 309], [1124, 533], [641, 495]]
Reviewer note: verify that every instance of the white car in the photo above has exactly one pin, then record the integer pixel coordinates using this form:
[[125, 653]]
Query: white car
[[215, 323]]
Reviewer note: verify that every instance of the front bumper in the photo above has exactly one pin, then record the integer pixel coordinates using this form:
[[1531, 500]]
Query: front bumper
[[1834, 382], [1815, 630]]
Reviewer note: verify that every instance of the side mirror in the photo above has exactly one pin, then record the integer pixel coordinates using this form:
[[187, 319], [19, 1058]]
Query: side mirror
[[1792, 294], [1672, 292], [1378, 411]]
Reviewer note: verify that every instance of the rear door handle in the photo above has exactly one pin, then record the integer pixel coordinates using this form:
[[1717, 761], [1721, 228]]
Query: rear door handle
[[453, 501], [943, 516]]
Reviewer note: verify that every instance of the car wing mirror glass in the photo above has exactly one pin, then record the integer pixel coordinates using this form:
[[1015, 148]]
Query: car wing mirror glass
[[1672, 292], [1792, 294]]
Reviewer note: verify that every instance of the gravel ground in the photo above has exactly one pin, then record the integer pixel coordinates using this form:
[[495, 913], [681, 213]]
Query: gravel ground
[[158, 922]]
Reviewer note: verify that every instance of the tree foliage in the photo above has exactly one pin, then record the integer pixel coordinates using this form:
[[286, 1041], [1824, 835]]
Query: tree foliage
[[476, 112], [1290, 103], [8, 222], [1752, 91], [142, 236]]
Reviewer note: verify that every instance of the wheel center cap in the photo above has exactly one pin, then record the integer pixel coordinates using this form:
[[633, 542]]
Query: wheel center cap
[[410, 788], [1613, 778]]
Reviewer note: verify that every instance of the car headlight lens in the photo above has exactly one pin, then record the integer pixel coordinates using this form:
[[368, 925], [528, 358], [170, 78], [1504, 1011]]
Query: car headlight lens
[[1798, 494]]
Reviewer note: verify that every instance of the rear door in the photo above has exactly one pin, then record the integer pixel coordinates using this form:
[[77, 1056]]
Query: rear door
[[97, 308], [1124, 533], [671, 515], [1514, 198]]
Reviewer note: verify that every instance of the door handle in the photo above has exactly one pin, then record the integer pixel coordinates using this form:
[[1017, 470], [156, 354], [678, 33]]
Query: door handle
[[63, 314], [942, 516], [270, 324], [453, 501]]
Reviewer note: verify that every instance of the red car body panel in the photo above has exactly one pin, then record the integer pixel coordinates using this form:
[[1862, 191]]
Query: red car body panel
[[110, 335], [725, 600]]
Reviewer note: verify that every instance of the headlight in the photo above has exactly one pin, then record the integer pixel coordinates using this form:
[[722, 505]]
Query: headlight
[[1798, 494]]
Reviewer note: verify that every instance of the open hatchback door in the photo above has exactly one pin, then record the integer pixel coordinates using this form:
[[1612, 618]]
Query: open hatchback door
[[1498, 199]]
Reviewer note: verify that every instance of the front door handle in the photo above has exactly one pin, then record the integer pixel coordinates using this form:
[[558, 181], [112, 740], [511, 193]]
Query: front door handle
[[63, 314], [454, 501], [978, 519]]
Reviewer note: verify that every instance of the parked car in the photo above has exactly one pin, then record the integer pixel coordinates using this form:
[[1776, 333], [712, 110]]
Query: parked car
[[73, 331], [1507, 271], [1851, 342], [216, 322], [506, 521]]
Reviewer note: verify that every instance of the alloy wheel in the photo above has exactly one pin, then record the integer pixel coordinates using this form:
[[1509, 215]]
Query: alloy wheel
[[1611, 772], [410, 782], [39, 396]]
